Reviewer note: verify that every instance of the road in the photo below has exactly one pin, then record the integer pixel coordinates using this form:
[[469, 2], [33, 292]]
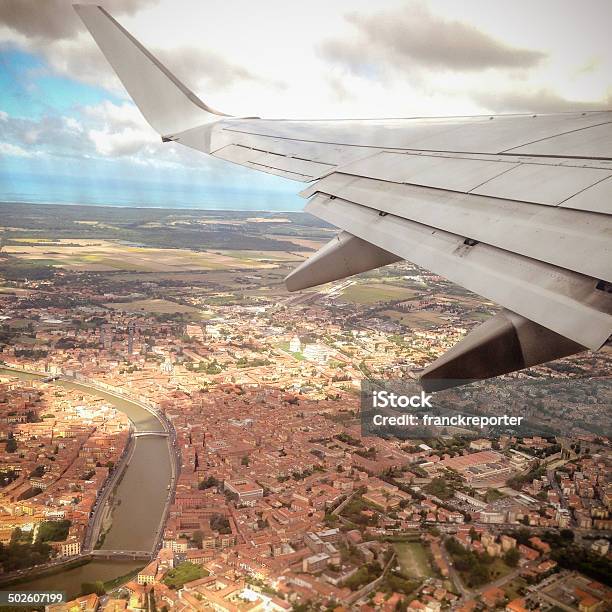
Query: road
[[95, 521], [454, 574]]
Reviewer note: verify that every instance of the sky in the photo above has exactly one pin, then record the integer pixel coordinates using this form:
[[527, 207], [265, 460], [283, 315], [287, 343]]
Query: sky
[[70, 134]]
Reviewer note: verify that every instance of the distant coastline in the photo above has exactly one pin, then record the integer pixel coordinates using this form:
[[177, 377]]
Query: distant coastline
[[141, 207], [182, 192]]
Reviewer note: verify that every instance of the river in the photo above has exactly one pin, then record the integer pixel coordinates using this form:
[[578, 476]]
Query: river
[[138, 501]]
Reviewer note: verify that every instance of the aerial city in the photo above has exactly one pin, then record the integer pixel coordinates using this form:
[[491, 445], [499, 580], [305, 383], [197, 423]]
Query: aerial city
[[392, 391]]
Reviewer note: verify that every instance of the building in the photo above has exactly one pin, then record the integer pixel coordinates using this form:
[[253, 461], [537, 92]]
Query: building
[[194, 331], [295, 346], [147, 574], [482, 465], [244, 490], [316, 352], [87, 603], [481, 444], [315, 563], [601, 547], [70, 548]]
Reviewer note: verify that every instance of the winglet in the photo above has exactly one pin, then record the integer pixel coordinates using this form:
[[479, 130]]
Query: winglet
[[164, 101]]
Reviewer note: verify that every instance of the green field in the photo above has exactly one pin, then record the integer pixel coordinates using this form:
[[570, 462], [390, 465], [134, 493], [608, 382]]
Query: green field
[[413, 560], [250, 256], [416, 319], [376, 292], [284, 346], [156, 306]]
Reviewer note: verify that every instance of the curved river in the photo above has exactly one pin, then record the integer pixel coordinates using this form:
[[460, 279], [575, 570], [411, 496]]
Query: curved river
[[138, 502]]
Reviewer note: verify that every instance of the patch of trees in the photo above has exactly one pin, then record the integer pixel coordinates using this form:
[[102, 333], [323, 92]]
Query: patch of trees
[[517, 482], [11, 443], [347, 439], [243, 362], [14, 269], [440, 487], [511, 557], [585, 561], [353, 512], [7, 477], [573, 557], [369, 453], [97, 587], [396, 583], [364, 575], [418, 471], [38, 471], [185, 572], [208, 367], [220, 523], [31, 353], [473, 567], [53, 531], [208, 483], [20, 555]]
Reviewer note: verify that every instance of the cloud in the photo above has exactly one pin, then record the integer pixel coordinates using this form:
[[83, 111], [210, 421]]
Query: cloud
[[78, 58], [413, 38], [55, 19], [117, 129], [72, 124], [11, 150], [105, 131], [338, 88], [125, 142], [192, 64], [44, 134], [535, 101], [116, 115], [74, 54]]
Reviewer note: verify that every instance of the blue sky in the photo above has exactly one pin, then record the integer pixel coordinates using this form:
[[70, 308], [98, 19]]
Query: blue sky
[[68, 132], [47, 154]]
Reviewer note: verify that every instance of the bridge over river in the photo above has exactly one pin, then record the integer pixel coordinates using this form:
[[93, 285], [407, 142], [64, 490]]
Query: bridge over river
[[141, 434], [123, 555]]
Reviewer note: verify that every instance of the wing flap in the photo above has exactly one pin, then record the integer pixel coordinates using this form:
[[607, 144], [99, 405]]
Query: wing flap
[[542, 184], [537, 181], [442, 172], [564, 301], [331, 154], [597, 198], [590, 141], [305, 169], [576, 240]]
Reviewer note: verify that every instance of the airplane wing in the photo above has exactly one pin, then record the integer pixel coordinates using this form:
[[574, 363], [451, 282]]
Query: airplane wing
[[516, 208]]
